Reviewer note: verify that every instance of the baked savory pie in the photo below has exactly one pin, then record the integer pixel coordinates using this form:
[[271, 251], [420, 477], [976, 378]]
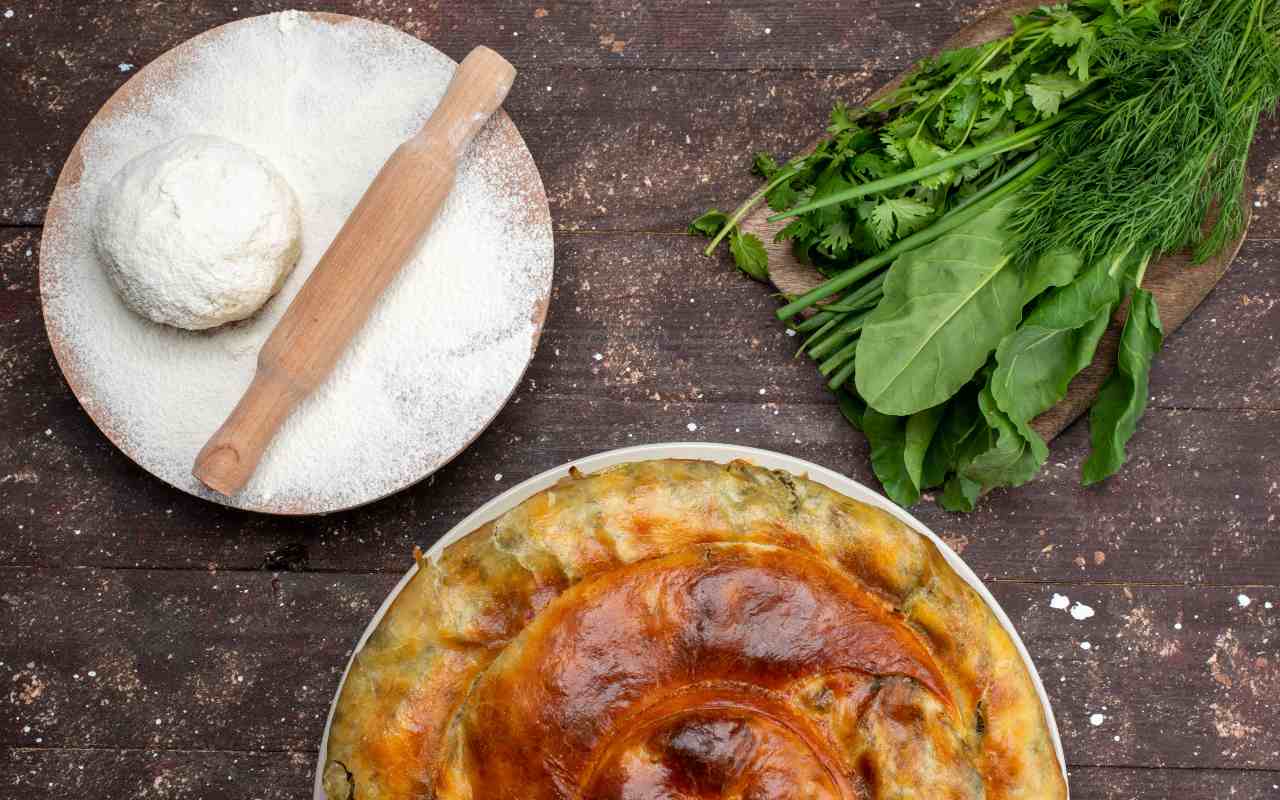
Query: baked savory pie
[[685, 629]]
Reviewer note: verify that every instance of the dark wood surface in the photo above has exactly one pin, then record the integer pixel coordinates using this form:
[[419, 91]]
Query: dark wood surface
[[155, 645]]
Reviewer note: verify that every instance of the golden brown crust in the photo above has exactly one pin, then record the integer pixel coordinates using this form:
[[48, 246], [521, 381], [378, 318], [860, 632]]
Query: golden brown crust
[[690, 629]]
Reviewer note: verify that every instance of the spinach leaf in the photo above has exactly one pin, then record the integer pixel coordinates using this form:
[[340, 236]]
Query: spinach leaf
[[1035, 363], [887, 435], [1015, 456], [920, 430], [1058, 268], [960, 494], [951, 445], [1123, 397], [946, 306]]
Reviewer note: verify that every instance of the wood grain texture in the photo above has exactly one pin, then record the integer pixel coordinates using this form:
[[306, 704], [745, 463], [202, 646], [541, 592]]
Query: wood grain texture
[[104, 568], [611, 157]]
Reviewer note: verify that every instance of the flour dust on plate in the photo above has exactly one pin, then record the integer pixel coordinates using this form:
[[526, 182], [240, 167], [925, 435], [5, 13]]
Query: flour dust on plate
[[325, 99]]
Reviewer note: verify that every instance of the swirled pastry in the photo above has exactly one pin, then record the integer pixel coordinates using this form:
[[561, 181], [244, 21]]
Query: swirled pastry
[[685, 629]]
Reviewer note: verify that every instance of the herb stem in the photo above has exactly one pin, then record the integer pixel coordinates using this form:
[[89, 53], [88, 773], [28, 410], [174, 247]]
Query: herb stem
[[852, 324], [840, 358], [744, 209], [842, 377], [816, 337], [976, 206], [959, 158], [1244, 40], [814, 322]]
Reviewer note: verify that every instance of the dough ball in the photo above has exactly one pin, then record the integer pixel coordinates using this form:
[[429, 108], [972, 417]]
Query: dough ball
[[197, 232]]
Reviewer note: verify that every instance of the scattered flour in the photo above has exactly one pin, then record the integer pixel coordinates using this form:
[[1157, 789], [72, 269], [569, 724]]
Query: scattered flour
[[1081, 612], [326, 104]]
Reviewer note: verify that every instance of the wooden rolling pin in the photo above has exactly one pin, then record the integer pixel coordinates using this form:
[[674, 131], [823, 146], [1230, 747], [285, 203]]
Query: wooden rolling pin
[[376, 241]]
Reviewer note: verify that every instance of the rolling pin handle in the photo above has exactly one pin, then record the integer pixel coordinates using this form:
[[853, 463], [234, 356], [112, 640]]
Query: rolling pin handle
[[477, 90], [229, 458]]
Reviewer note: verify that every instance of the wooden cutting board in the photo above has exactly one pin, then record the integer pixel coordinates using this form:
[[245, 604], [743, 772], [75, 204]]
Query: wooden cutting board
[[1178, 285]]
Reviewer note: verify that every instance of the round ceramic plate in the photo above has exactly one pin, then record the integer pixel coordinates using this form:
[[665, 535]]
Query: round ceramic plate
[[722, 453], [439, 357]]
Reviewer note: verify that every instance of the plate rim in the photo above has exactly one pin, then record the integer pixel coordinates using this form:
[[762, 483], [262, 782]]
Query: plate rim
[[54, 220], [706, 451]]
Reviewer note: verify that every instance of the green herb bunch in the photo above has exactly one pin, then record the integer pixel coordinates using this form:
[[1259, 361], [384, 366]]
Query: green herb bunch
[[980, 224]]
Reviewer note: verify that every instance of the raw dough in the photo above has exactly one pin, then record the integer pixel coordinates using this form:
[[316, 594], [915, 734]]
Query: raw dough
[[197, 232]]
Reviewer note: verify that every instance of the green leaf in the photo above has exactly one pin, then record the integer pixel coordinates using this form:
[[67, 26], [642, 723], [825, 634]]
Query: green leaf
[[960, 494], [709, 224], [898, 217], [1123, 397], [893, 147], [764, 165], [946, 307], [874, 165], [851, 406], [988, 121], [749, 254], [962, 112], [837, 238], [1068, 30], [1048, 91], [1035, 364], [1000, 75], [799, 227], [840, 119], [954, 444], [1057, 268], [1015, 457], [887, 435], [923, 153], [1078, 63], [783, 196], [920, 430]]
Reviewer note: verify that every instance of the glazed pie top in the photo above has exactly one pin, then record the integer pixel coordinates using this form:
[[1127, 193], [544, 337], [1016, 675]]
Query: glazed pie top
[[685, 629]]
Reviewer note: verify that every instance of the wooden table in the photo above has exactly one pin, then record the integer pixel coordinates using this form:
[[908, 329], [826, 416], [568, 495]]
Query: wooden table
[[152, 644]]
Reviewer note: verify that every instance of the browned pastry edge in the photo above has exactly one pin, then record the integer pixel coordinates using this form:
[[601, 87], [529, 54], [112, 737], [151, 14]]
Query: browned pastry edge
[[396, 728]]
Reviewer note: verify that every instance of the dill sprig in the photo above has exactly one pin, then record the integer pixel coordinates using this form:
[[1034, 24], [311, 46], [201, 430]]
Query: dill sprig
[[1164, 147]]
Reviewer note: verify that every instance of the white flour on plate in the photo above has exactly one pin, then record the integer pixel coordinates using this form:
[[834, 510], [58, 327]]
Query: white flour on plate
[[326, 104]]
